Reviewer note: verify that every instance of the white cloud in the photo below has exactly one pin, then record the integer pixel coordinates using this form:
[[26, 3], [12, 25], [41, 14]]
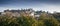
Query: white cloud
[[49, 7]]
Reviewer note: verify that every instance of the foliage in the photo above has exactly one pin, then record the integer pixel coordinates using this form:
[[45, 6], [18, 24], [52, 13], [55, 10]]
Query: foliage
[[44, 20]]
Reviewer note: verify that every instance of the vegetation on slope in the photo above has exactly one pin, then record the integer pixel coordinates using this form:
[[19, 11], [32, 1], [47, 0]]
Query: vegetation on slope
[[44, 20]]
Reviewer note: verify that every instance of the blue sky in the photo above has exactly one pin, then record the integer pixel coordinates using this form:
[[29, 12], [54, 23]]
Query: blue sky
[[45, 5]]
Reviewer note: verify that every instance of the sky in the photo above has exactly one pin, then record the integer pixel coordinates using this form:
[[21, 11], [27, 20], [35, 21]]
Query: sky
[[44, 5]]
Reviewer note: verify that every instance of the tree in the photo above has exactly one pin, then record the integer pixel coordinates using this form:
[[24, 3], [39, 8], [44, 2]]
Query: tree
[[48, 20]]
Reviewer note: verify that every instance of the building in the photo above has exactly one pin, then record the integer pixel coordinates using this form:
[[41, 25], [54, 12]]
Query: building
[[25, 12]]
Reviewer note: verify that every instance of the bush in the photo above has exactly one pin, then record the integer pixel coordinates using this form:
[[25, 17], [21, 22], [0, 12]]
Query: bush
[[44, 20]]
